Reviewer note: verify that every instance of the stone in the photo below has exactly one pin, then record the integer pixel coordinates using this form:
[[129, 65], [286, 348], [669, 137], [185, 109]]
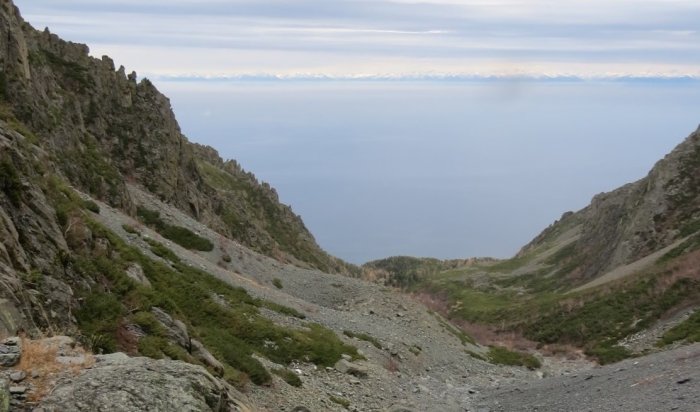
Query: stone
[[12, 341], [10, 352], [350, 368], [203, 355], [18, 390], [18, 376], [176, 329], [135, 272], [118, 382]]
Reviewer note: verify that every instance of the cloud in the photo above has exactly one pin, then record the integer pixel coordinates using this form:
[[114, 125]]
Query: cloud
[[383, 37]]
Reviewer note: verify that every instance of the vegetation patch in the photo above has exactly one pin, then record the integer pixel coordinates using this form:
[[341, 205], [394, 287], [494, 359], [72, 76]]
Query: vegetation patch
[[10, 182], [340, 401], [503, 356], [277, 283], [162, 251], [91, 206], [687, 331], [180, 235], [232, 332], [284, 310], [476, 355], [131, 229], [288, 376], [363, 336]]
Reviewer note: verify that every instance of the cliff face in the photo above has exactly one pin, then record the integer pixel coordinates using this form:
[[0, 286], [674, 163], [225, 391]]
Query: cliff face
[[632, 222], [104, 129]]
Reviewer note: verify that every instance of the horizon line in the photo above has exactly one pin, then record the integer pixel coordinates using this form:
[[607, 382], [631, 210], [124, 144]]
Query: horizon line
[[622, 78]]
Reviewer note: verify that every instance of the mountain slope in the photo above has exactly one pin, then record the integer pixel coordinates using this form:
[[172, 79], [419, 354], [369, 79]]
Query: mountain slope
[[118, 232], [597, 278], [103, 128]]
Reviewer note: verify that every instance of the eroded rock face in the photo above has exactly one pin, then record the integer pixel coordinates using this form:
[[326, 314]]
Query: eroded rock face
[[119, 383], [624, 225]]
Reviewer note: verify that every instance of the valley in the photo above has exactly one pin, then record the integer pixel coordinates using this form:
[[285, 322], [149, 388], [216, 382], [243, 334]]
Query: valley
[[135, 265]]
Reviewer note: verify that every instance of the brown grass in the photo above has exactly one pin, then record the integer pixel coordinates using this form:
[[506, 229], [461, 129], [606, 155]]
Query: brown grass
[[39, 356]]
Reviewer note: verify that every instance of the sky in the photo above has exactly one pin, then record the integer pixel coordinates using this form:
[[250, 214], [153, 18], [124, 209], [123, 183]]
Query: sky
[[383, 38], [441, 128]]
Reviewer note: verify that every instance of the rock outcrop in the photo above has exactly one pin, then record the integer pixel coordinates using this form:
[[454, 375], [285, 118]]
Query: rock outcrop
[[633, 221], [103, 128], [117, 382]]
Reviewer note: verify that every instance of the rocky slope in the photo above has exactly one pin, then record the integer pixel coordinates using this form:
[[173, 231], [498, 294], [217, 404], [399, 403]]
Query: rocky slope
[[618, 277], [118, 232], [103, 127]]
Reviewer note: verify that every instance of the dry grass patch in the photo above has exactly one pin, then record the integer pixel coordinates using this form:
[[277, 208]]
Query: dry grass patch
[[40, 361]]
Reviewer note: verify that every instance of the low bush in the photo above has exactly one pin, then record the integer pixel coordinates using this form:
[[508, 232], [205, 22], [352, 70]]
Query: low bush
[[91, 206], [180, 235], [288, 376], [365, 337], [340, 401], [503, 356], [162, 251], [10, 182], [688, 330], [233, 331]]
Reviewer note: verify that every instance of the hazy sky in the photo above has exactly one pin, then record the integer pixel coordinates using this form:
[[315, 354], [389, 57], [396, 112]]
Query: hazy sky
[[383, 37], [470, 150]]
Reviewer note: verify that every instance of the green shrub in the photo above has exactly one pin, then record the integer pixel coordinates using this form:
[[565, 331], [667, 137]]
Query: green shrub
[[233, 332], [688, 330], [277, 283], [149, 217], [288, 376], [98, 315], [180, 235], [284, 310], [608, 352], [503, 356], [148, 323], [186, 238], [162, 251], [340, 401], [476, 355], [10, 182], [130, 229], [151, 346], [365, 337], [91, 206]]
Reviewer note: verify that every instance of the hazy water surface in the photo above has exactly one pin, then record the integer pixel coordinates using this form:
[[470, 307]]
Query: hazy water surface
[[437, 169]]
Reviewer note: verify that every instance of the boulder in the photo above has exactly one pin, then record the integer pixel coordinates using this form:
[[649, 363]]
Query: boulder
[[203, 355], [119, 383], [345, 366], [10, 352], [135, 272], [176, 329], [18, 376]]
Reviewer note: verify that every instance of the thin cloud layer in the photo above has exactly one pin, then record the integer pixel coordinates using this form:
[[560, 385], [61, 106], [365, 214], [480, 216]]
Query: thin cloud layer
[[384, 38]]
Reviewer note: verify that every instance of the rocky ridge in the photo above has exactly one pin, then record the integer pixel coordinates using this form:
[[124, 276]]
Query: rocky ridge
[[103, 127]]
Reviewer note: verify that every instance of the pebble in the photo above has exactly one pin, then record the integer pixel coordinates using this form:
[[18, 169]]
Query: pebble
[[18, 390], [18, 376]]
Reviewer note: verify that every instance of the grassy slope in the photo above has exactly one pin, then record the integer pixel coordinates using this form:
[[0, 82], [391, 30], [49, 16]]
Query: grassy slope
[[233, 331], [529, 294]]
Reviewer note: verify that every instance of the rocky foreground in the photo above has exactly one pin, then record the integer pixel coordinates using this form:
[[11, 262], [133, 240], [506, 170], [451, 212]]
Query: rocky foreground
[[666, 381]]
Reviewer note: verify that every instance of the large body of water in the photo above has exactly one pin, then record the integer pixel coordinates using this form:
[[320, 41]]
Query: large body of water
[[443, 169]]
